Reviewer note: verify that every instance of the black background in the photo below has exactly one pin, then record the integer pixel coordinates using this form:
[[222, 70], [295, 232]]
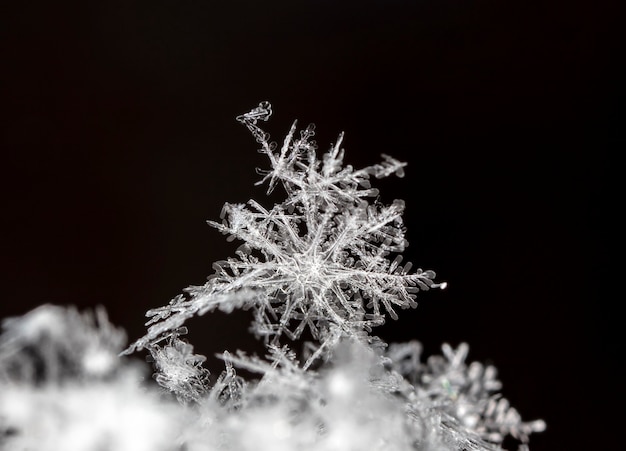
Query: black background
[[119, 141]]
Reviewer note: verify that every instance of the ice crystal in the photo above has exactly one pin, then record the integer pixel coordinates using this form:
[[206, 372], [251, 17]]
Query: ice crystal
[[320, 260], [179, 370], [466, 396]]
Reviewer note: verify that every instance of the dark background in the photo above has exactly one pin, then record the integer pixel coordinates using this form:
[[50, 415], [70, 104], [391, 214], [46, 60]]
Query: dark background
[[119, 142]]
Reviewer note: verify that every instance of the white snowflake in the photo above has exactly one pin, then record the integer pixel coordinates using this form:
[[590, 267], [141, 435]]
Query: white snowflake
[[465, 396], [318, 260]]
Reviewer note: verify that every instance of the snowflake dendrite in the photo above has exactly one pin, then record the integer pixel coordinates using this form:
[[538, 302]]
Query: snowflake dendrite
[[321, 259]]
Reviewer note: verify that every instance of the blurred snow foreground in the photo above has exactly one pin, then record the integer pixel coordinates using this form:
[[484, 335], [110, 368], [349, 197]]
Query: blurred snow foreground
[[326, 261]]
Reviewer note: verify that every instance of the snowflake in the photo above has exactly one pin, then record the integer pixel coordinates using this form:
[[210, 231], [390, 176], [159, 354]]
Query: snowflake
[[318, 260], [179, 370], [465, 395]]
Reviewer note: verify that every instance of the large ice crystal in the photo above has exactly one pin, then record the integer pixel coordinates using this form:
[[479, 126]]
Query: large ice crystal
[[318, 260]]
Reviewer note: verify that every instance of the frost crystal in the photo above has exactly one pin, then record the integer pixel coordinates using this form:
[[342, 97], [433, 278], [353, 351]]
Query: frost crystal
[[179, 370], [319, 260], [465, 397]]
